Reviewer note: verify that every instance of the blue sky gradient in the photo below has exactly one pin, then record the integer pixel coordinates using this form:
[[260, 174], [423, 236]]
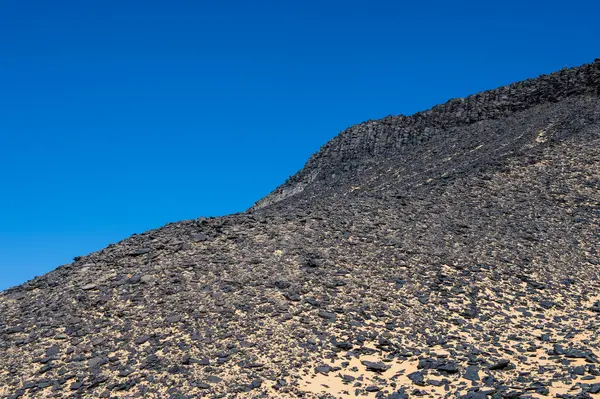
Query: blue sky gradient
[[120, 116]]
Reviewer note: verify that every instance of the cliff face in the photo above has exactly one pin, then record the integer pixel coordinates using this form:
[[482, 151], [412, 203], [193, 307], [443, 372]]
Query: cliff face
[[375, 140], [453, 253]]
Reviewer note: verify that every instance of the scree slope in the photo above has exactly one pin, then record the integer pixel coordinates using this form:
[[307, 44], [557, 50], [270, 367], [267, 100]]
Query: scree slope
[[451, 253]]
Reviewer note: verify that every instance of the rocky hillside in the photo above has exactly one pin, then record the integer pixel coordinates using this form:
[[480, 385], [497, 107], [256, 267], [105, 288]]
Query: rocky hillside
[[374, 142], [452, 253]]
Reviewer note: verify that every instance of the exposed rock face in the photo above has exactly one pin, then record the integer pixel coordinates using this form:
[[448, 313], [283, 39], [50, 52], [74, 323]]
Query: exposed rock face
[[374, 141], [454, 253]]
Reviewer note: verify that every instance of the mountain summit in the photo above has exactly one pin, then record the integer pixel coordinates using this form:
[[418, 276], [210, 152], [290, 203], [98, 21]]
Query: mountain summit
[[451, 253]]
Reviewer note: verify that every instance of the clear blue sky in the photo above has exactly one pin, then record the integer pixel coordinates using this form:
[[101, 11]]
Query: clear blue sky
[[120, 116]]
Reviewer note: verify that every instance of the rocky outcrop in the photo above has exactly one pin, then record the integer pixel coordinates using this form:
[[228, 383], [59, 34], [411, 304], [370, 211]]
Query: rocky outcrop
[[396, 134]]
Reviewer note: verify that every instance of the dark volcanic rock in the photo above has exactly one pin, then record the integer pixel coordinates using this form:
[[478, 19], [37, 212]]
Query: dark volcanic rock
[[472, 373], [500, 364], [323, 369], [375, 366], [439, 242], [417, 378], [327, 315], [449, 367], [199, 237], [141, 251]]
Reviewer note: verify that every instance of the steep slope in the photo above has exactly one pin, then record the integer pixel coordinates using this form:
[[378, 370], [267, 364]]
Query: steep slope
[[457, 258], [374, 142]]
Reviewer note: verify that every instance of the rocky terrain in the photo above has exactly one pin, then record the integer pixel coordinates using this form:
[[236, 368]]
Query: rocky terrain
[[452, 253]]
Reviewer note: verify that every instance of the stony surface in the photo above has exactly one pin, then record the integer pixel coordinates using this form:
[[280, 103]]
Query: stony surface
[[464, 265]]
